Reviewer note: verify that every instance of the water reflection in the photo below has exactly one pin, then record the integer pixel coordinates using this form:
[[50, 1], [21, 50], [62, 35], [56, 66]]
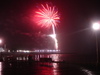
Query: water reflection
[[36, 57], [55, 57], [55, 65], [22, 65], [30, 65], [47, 69], [88, 72], [0, 68]]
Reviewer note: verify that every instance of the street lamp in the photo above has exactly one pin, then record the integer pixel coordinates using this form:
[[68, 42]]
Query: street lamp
[[0, 41], [96, 26]]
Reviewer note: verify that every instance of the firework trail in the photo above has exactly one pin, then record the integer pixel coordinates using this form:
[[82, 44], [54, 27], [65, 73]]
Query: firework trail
[[47, 16]]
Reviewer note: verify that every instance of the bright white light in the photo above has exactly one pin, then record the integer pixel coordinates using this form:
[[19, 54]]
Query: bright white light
[[0, 67], [8, 50], [55, 39], [96, 26], [26, 51], [53, 36], [0, 41], [87, 72]]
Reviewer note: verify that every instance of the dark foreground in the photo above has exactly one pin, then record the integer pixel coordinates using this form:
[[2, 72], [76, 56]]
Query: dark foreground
[[46, 68], [25, 65]]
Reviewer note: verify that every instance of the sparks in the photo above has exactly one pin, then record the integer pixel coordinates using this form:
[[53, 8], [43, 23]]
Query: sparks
[[46, 15], [55, 39]]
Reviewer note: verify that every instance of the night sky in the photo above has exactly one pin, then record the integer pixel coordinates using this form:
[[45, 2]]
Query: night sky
[[74, 32]]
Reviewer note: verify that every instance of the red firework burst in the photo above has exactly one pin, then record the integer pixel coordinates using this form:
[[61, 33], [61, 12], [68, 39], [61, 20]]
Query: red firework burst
[[46, 15]]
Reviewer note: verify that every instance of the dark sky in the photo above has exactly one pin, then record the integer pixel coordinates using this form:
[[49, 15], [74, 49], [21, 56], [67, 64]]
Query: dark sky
[[74, 32]]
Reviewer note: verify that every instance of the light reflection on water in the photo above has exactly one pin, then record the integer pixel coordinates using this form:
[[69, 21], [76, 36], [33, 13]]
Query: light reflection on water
[[48, 69], [0, 68], [41, 69], [87, 71], [22, 65], [55, 65], [55, 57]]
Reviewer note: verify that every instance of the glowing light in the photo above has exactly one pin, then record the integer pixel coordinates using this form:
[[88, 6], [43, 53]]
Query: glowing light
[[55, 65], [46, 51], [54, 37], [0, 68], [0, 41], [87, 71], [96, 26], [47, 15]]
